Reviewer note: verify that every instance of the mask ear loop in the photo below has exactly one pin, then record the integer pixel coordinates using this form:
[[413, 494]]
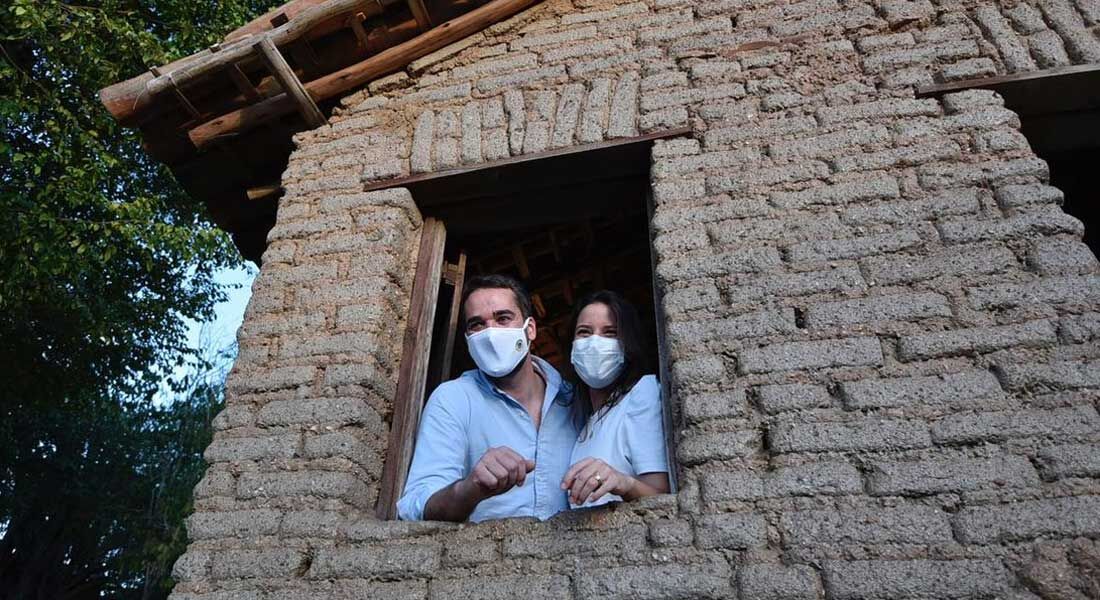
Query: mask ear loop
[[530, 320]]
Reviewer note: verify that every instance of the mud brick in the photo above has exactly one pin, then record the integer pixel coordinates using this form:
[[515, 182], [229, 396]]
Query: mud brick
[[976, 340], [1052, 517], [891, 308], [973, 260], [405, 560], [1050, 290], [895, 579], [731, 530], [775, 399], [1069, 460], [907, 524], [937, 391], [842, 193], [865, 434], [858, 247], [994, 426], [656, 582], [950, 474], [779, 582], [1057, 375], [848, 352]]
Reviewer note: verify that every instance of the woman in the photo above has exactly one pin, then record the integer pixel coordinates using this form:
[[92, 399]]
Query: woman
[[620, 453]]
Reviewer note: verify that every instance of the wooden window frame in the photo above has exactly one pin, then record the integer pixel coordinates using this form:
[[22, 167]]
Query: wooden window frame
[[432, 271]]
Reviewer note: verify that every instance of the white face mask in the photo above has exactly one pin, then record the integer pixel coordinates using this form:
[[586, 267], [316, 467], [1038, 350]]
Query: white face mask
[[497, 350], [598, 360]]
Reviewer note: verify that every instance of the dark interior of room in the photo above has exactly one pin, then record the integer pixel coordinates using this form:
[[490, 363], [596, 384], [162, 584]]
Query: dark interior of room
[[564, 225], [1075, 173]]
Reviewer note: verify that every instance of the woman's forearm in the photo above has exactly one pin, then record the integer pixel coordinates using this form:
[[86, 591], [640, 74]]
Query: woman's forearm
[[647, 484]]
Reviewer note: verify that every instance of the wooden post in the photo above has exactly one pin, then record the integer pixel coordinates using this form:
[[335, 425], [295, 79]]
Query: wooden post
[[412, 375], [420, 13], [356, 24], [243, 83], [291, 85], [458, 280]]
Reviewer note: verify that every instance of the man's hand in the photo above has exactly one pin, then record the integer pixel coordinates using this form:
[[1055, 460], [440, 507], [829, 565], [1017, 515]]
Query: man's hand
[[499, 470], [590, 478]]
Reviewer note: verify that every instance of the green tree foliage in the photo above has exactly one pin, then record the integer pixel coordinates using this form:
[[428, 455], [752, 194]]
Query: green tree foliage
[[96, 496], [102, 259]]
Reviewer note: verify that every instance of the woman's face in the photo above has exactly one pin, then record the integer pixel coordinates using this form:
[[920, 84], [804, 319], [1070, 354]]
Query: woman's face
[[596, 319]]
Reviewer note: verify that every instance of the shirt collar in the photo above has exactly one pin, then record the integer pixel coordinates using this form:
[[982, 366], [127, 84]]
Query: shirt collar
[[549, 373]]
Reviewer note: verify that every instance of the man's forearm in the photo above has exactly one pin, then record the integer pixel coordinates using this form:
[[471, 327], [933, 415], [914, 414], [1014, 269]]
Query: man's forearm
[[456, 502]]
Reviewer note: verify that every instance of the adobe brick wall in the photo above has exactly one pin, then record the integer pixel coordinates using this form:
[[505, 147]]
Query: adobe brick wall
[[883, 331]]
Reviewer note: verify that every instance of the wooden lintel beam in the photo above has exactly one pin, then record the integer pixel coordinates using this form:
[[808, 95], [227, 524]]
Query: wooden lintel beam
[[293, 88], [383, 63], [420, 13], [419, 177], [1047, 91], [939, 89]]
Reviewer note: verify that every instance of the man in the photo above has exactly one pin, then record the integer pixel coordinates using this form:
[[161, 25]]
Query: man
[[496, 442]]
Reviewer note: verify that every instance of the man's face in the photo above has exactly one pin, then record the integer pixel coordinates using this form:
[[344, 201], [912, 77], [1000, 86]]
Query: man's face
[[494, 307]]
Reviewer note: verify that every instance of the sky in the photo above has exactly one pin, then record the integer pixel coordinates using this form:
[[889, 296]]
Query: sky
[[222, 331]]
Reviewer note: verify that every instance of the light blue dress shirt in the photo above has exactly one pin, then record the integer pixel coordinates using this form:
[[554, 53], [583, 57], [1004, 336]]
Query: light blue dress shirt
[[630, 436], [466, 417]]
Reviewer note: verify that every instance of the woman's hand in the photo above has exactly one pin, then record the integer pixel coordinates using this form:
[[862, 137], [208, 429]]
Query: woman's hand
[[591, 478]]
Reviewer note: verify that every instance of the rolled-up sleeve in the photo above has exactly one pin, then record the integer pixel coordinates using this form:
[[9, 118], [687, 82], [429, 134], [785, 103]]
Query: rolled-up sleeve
[[440, 455]]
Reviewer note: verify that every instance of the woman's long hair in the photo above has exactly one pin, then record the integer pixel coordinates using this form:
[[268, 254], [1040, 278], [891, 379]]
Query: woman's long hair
[[636, 361]]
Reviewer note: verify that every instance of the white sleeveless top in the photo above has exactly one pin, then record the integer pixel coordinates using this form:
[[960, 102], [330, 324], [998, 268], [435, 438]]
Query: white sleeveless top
[[630, 436]]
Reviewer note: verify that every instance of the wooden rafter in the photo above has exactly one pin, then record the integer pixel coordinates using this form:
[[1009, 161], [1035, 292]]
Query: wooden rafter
[[292, 87]]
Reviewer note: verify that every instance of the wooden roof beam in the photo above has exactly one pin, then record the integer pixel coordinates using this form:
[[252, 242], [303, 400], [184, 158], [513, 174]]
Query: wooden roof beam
[[383, 63]]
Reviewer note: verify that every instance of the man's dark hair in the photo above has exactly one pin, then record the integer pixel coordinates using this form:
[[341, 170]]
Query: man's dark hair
[[500, 282]]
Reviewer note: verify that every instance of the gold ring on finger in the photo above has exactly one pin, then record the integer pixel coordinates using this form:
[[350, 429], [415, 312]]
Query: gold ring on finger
[[599, 479]]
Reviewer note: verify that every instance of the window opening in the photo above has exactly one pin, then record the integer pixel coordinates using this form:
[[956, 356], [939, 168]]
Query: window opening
[[1059, 113], [564, 223]]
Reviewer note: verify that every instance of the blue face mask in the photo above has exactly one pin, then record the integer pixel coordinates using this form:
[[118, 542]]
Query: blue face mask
[[497, 350], [598, 360]]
